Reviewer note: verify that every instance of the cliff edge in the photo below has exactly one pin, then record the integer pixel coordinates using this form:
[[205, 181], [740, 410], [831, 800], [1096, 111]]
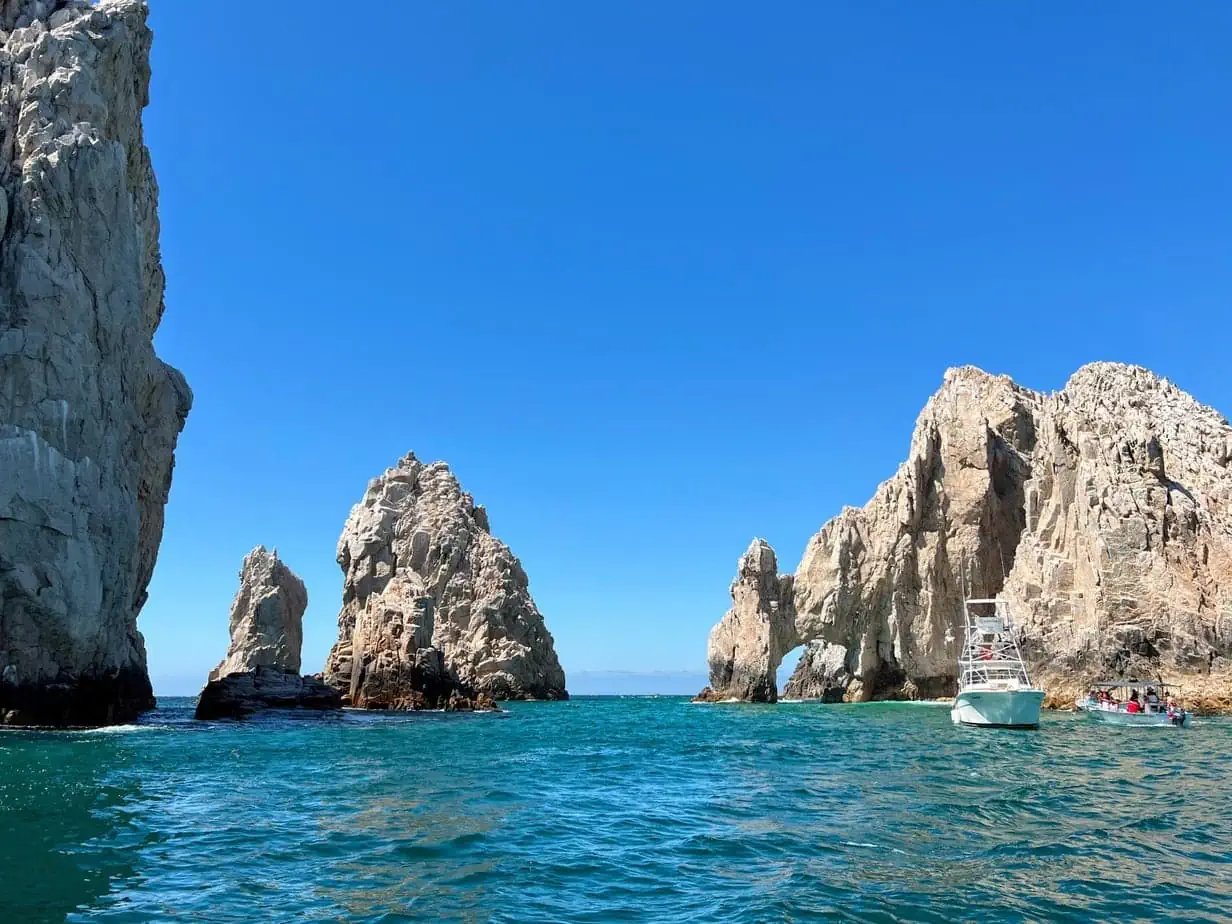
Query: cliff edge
[[89, 416]]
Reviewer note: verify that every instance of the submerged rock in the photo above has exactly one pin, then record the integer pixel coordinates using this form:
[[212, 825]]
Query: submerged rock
[[267, 617], [261, 669], [434, 607], [1104, 511], [820, 674], [89, 416]]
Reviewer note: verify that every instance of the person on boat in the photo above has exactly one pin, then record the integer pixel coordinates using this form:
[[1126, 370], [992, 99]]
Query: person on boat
[[985, 653], [1132, 706], [1151, 696]]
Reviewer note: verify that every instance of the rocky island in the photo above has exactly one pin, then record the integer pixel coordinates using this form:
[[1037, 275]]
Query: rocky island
[[1103, 510], [89, 416], [436, 611], [261, 669]]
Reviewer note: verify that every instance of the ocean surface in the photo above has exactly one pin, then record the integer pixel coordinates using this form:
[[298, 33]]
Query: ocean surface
[[616, 809]]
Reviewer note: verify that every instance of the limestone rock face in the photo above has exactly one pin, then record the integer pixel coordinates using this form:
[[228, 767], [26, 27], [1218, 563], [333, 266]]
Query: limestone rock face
[[820, 674], [267, 617], [754, 631], [89, 416], [261, 669], [433, 604], [1104, 511]]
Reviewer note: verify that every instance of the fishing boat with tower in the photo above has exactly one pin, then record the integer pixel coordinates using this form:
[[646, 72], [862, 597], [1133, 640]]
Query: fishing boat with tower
[[994, 688]]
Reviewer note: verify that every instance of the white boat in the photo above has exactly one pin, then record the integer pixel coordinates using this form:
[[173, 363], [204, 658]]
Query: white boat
[[993, 686], [1153, 704]]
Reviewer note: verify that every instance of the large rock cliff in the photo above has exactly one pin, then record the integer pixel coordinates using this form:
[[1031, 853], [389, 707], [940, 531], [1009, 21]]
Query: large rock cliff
[[433, 604], [1104, 511], [89, 416], [267, 617]]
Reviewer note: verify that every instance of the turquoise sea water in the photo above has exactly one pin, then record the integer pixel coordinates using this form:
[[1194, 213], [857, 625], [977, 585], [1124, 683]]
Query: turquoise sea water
[[616, 809]]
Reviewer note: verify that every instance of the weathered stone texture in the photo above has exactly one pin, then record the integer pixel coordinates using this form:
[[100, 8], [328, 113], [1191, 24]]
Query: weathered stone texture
[[89, 416], [433, 604], [1104, 510], [820, 674], [267, 617]]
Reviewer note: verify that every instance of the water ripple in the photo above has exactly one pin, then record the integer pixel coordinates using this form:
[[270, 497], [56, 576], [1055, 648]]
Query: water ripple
[[614, 810]]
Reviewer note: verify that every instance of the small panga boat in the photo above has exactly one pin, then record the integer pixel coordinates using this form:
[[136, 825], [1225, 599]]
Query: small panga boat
[[1155, 701]]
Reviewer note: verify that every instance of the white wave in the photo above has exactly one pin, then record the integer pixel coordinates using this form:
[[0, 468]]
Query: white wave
[[117, 729], [870, 846]]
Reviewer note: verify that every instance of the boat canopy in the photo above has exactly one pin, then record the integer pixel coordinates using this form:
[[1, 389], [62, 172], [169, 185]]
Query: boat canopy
[[1116, 684]]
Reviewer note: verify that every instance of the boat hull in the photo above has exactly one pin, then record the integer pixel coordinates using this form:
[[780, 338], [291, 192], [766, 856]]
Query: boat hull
[[998, 708], [1139, 720]]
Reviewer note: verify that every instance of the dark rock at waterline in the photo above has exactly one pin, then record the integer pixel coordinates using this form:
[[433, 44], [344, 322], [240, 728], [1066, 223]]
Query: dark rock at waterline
[[242, 694], [84, 701]]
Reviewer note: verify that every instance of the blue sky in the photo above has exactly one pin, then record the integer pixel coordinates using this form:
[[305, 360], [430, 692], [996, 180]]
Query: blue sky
[[653, 278]]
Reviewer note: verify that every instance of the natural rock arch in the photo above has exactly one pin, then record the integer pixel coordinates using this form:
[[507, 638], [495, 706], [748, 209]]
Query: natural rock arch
[[1104, 510]]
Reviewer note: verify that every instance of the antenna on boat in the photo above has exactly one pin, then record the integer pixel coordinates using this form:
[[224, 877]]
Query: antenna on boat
[[962, 576]]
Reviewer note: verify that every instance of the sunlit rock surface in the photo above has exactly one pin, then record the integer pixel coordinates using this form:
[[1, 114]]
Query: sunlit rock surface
[[433, 604], [261, 669], [1104, 511], [89, 416]]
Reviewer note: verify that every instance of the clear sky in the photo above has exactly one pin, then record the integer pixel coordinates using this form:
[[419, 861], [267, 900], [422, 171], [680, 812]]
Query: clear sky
[[653, 278]]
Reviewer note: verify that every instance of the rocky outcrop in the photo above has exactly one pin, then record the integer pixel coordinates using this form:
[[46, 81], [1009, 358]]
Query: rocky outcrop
[[1104, 511], [434, 607], [261, 669], [267, 617], [820, 674], [236, 696], [754, 633], [89, 416]]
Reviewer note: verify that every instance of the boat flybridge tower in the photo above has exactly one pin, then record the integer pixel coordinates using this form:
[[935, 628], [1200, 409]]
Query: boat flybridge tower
[[993, 685], [990, 647]]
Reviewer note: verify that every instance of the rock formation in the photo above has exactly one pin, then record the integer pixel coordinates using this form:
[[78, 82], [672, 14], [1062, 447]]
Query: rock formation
[[821, 673], [261, 669], [267, 617], [89, 416], [238, 695], [1104, 511], [433, 606]]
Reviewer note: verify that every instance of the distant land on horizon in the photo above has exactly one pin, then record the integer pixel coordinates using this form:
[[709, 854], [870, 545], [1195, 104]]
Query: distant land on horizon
[[580, 683]]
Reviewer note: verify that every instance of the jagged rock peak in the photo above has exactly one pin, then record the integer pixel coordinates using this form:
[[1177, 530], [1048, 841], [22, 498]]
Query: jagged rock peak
[[267, 617], [89, 416], [1103, 510], [21, 14], [433, 604]]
